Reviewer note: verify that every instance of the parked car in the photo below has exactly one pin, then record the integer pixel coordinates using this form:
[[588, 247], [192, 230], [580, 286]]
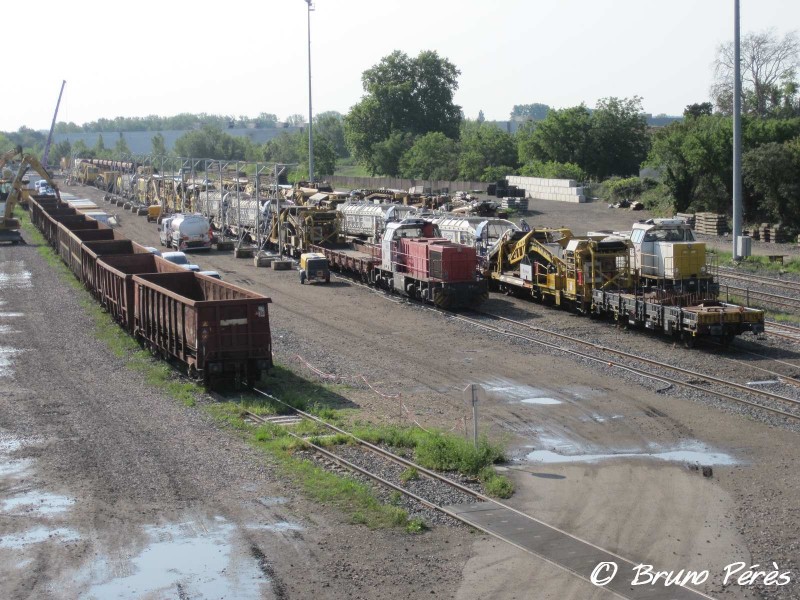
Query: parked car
[[189, 232], [179, 258], [153, 250], [213, 274]]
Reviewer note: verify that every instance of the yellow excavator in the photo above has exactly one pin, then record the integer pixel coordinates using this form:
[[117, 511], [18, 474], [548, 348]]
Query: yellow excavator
[[553, 265], [7, 156], [9, 226]]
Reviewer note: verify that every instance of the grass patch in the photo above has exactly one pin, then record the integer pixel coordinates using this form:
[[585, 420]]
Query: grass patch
[[345, 493], [496, 485], [416, 525], [443, 452], [410, 474], [758, 263], [106, 330]]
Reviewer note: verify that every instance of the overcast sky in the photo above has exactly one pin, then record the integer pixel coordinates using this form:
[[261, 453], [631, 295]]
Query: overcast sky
[[244, 58]]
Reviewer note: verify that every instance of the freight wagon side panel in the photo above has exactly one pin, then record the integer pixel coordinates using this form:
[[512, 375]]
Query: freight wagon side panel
[[211, 326], [115, 281], [52, 222], [91, 250]]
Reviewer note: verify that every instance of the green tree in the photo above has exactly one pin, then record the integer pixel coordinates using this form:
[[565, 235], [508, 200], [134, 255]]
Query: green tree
[[433, 156], [702, 109], [79, 148], [386, 154], [772, 171], [529, 112], [59, 151], [330, 126], [404, 95], [285, 148], [121, 147], [553, 170], [769, 74], [484, 148], [324, 157], [212, 142], [618, 138], [694, 157], [563, 136], [158, 145]]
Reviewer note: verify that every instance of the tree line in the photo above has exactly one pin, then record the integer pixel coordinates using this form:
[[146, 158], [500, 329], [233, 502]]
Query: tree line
[[407, 124]]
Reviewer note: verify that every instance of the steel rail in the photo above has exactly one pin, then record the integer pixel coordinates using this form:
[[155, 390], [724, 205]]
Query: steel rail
[[788, 284], [655, 363], [350, 465], [635, 370]]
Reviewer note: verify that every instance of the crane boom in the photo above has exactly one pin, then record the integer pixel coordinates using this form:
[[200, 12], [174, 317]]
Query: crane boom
[[46, 153], [9, 226]]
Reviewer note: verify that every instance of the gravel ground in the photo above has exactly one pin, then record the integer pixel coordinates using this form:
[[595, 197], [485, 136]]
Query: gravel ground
[[99, 472], [349, 331]]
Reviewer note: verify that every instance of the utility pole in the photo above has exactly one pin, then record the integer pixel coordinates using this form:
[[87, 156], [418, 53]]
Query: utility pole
[[310, 115], [737, 135]]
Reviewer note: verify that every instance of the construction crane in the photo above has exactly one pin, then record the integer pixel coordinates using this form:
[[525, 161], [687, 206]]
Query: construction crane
[[7, 156], [9, 226]]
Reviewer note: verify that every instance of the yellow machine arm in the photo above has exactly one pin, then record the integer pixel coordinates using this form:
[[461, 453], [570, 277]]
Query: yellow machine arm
[[7, 156], [9, 226]]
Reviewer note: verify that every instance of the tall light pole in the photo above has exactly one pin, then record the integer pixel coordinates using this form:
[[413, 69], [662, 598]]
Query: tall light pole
[[310, 132], [737, 135]]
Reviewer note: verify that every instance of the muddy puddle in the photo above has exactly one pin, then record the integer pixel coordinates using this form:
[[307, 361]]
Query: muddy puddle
[[7, 354], [554, 450], [513, 392], [192, 559], [14, 275]]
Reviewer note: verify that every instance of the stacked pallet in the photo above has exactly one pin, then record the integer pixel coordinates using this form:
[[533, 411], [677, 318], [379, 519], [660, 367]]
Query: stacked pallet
[[766, 232], [778, 234], [514, 203], [711, 223], [688, 217], [562, 190]]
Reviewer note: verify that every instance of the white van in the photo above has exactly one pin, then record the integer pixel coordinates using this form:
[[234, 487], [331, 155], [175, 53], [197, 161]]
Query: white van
[[164, 231], [189, 232]]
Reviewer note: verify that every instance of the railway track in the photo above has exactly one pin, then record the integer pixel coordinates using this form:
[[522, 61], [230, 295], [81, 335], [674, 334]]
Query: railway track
[[693, 383], [790, 303], [782, 293], [776, 282], [560, 548], [655, 369], [781, 330]]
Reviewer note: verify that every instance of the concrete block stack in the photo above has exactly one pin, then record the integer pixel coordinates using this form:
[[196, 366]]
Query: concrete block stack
[[561, 190], [688, 217], [711, 223]]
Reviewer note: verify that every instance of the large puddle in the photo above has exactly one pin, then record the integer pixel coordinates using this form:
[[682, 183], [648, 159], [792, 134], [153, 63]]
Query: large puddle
[[6, 355], [14, 274], [38, 535], [560, 451], [184, 560], [508, 390]]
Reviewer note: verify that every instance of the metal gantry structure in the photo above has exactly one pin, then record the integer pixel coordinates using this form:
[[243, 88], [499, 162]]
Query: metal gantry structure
[[184, 170]]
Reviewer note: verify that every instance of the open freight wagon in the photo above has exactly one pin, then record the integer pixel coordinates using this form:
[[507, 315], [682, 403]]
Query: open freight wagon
[[218, 330]]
